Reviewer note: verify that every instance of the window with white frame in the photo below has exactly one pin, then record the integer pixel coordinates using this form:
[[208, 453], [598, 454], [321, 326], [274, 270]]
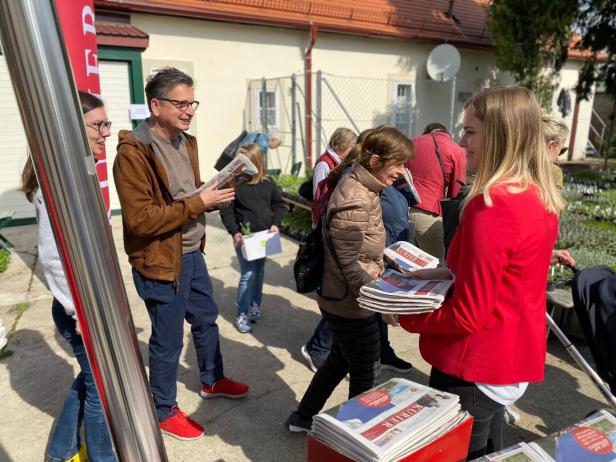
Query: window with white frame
[[401, 108], [266, 105]]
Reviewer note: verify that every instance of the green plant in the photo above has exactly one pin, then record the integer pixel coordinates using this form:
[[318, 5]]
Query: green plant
[[290, 183], [297, 223], [245, 229], [5, 259]]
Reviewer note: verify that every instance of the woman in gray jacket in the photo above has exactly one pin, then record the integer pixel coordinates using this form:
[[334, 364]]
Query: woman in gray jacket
[[355, 225]]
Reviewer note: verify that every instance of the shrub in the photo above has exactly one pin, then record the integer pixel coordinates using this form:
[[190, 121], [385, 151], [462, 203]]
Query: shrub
[[5, 259]]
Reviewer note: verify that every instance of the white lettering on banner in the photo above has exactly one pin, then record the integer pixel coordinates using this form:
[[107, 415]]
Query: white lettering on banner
[[91, 69], [88, 27]]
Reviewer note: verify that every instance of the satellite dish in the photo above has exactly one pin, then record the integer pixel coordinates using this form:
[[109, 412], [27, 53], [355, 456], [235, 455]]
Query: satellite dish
[[443, 62]]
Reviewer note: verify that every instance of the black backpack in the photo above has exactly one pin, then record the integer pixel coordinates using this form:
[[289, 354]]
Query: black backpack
[[308, 266], [305, 190], [229, 153]]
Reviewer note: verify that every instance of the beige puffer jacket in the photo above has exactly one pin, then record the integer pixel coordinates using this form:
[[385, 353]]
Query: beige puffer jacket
[[358, 236]]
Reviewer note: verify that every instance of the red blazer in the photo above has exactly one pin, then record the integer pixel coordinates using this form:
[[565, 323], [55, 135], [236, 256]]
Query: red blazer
[[492, 329]]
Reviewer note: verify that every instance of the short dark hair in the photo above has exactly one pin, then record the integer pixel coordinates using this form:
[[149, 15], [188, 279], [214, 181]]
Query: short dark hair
[[164, 81], [434, 127], [89, 102]]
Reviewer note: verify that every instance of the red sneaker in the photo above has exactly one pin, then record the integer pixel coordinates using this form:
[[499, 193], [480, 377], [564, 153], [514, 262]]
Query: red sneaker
[[181, 426], [224, 387]]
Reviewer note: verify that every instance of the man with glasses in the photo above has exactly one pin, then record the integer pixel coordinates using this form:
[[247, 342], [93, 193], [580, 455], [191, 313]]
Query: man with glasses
[[156, 173]]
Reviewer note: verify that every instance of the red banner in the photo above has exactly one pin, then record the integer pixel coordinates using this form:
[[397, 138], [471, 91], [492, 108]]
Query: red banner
[[77, 21]]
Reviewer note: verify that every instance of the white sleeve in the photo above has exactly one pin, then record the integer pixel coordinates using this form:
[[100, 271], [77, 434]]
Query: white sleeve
[[49, 258], [320, 172]]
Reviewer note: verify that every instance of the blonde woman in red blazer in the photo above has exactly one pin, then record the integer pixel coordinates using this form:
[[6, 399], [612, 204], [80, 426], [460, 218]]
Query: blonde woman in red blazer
[[487, 341]]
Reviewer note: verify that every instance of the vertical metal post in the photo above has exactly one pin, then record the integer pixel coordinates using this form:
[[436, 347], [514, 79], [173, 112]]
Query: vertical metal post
[[452, 108], [293, 119], [43, 82], [318, 122], [263, 101]]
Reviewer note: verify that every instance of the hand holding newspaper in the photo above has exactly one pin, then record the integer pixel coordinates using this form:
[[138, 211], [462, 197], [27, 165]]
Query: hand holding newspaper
[[238, 171], [393, 293]]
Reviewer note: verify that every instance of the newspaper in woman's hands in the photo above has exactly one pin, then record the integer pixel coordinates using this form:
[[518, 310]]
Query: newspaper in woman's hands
[[238, 171]]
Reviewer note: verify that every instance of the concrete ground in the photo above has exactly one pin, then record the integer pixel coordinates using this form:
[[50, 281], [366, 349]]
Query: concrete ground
[[37, 369]]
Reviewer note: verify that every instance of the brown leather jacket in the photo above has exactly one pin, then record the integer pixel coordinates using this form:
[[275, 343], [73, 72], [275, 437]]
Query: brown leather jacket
[[358, 236], [152, 221]]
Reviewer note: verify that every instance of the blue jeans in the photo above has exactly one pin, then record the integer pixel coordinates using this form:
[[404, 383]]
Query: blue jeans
[[320, 343], [82, 404], [250, 288], [168, 306]]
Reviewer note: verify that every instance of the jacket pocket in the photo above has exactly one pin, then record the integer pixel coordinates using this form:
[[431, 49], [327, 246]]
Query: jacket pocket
[[158, 255]]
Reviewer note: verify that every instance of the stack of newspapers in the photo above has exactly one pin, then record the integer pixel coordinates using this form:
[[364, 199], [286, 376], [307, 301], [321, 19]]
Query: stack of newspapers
[[391, 293], [388, 422], [590, 440]]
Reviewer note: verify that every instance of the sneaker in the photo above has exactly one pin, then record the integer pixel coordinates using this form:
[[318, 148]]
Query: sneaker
[[226, 388], [313, 362], [296, 424], [243, 324], [511, 417], [254, 313], [181, 426], [396, 364]]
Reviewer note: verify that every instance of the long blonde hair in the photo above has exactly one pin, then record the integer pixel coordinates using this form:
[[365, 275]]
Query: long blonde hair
[[514, 151], [255, 155]]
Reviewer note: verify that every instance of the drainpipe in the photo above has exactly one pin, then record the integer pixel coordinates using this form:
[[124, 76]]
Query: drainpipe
[[308, 84]]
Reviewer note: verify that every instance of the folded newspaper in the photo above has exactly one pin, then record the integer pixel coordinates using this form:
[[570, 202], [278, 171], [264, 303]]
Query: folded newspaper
[[404, 256], [391, 293], [389, 421], [238, 171], [590, 440]]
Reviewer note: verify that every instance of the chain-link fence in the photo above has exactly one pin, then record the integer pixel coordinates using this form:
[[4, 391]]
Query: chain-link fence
[[358, 103]]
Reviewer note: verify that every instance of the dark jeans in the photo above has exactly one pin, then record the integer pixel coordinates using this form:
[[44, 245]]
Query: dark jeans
[[320, 343], [82, 404], [168, 308], [488, 415], [356, 350]]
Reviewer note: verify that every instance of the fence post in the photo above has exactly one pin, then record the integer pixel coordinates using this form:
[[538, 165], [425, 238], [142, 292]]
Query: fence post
[[319, 101], [293, 119], [452, 109]]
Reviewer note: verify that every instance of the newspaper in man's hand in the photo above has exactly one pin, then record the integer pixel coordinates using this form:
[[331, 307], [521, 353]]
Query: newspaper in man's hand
[[389, 421], [236, 172]]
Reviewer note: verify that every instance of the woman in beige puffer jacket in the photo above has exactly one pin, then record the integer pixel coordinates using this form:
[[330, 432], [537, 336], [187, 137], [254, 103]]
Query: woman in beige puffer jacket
[[355, 225]]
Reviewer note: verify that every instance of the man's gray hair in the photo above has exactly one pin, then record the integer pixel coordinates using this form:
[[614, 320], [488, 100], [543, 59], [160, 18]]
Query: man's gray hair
[[164, 81], [275, 133]]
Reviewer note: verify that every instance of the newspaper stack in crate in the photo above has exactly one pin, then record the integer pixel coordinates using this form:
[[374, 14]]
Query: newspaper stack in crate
[[388, 422], [590, 440]]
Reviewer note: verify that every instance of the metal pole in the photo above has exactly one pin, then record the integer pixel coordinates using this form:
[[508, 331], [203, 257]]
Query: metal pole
[[339, 101], [579, 359], [452, 107], [293, 119], [45, 91], [318, 111]]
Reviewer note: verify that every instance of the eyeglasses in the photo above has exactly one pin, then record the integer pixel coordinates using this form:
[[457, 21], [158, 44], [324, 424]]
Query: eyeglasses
[[563, 150], [181, 105], [100, 127]]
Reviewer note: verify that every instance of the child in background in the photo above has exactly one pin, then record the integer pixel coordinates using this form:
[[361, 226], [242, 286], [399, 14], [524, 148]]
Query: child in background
[[257, 206]]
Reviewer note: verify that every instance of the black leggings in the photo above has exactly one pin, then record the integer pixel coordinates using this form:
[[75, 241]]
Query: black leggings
[[355, 349], [488, 415]]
